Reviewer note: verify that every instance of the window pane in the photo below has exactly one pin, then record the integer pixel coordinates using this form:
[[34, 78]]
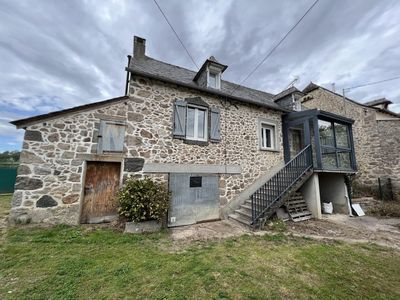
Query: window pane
[[190, 122], [201, 123], [328, 158], [267, 136], [212, 80], [342, 136], [344, 160], [326, 133]]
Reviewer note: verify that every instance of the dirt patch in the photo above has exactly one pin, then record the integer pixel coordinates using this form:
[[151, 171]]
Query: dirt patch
[[210, 230], [343, 227]]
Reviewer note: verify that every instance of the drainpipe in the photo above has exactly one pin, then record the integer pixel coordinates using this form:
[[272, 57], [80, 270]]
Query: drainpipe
[[127, 76]]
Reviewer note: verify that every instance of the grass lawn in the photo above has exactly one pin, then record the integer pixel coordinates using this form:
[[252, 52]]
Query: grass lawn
[[69, 263]]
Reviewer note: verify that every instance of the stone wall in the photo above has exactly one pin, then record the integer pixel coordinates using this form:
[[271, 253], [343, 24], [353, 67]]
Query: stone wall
[[50, 178], [370, 152], [389, 134]]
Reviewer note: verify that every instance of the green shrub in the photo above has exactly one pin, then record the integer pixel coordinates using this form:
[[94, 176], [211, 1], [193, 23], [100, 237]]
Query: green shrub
[[143, 200]]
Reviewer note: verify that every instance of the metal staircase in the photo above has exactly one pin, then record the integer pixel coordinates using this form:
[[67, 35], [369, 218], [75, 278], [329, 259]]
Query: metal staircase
[[273, 194]]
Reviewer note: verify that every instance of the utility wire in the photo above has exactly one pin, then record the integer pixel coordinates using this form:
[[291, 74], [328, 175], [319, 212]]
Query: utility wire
[[176, 34], [371, 83], [275, 47]]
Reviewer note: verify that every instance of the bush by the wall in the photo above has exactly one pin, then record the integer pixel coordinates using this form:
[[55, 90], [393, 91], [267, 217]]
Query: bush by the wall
[[143, 200]]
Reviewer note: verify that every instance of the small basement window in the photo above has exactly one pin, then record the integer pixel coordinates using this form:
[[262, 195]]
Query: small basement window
[[195, 181], [267, 136]]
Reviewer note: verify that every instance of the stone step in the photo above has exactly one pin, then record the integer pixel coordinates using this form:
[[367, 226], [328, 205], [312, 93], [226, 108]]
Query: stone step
[[244, 213], [240, 219], [246, 206]]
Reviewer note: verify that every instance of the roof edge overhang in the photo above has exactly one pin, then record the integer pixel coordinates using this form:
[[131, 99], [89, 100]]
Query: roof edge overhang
[[311, 113], [22, 123], [205, 90]]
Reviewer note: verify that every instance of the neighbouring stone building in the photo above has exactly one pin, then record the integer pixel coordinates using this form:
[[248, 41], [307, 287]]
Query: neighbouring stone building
[[215, 145], [376, 133]]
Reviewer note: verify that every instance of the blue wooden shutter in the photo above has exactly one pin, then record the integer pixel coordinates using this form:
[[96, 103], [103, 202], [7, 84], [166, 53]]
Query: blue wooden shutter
[[215, 135], [111, 137], [179, 130]]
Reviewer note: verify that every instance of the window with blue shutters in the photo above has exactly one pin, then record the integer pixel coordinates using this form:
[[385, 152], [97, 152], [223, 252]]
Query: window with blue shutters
[[194, 122]]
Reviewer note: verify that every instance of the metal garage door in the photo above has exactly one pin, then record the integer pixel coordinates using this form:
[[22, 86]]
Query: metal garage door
[[194, 198]]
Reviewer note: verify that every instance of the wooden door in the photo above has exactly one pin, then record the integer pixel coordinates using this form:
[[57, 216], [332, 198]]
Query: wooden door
[[101, 185]]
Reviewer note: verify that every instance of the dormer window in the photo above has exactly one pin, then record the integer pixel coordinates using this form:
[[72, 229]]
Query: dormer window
[[209, 75], [214, 79]]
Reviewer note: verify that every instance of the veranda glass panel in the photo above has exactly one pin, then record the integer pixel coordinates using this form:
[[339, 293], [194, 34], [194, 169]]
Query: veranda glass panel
[[342, 136], [328, 158], [326, 133], [344, 160]]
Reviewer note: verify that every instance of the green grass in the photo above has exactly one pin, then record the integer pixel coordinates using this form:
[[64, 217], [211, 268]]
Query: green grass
[[5, 204], [75, 263]]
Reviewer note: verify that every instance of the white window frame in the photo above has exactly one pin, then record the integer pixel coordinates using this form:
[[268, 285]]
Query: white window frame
[[263, 124], [196, 120], [217, 74]]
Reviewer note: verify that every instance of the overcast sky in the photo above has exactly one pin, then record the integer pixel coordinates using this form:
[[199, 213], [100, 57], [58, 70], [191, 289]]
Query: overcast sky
[[58, 54]]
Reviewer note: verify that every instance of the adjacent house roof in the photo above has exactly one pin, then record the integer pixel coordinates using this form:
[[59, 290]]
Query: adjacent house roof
[[286, 92], [27, 121], [312, 86], [152, 68], [378, 102]]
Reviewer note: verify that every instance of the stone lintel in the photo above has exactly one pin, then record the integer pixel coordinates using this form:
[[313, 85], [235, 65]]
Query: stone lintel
[[192, 168], [106, 117], [99, 157]]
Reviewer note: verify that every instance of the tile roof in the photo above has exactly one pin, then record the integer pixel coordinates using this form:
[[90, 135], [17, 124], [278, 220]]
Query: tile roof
[[286, 92], [147, 66]]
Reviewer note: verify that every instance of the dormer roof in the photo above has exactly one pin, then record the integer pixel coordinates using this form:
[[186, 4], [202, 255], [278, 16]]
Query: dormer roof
[[212, 61]]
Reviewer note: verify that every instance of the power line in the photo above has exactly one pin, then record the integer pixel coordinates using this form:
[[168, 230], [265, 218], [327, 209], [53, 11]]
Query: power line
[[371, 83], [176, 34], [276, 46]]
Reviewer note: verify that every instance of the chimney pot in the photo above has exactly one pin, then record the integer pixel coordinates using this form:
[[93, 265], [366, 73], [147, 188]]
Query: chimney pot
[[139, 47]]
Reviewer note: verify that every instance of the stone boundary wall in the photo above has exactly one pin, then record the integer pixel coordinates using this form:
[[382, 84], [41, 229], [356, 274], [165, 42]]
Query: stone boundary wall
[[50, 177]]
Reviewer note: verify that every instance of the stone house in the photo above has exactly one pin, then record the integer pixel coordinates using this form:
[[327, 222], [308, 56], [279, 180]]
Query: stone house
[[223, 150]]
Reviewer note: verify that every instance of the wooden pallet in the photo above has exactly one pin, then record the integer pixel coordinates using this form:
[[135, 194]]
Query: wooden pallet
[[297, 208]]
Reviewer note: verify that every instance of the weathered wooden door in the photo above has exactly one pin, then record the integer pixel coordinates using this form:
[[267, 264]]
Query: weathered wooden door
[[101, 185]]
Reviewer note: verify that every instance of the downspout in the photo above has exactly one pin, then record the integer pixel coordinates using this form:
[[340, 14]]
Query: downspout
[[127, 75]]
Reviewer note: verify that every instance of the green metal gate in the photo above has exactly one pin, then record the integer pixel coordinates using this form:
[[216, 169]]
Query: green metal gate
[[7, 179]]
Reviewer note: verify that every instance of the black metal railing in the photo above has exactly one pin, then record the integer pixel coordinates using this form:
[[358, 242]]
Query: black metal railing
[[275, 188]]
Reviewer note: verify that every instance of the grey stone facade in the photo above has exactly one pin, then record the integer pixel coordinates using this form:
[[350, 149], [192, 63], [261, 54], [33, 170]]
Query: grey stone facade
[[51, 173]]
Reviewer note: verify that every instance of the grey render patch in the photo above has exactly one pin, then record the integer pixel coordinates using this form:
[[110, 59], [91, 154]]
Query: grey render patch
[[133, 164], [46, 201]]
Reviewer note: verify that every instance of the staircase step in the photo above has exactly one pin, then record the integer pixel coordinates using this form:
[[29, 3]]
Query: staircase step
[[246, 206], [244, 213], [240, 219]]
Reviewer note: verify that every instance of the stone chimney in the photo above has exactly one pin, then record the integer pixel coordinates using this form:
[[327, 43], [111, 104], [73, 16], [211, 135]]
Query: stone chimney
[[139, 47]]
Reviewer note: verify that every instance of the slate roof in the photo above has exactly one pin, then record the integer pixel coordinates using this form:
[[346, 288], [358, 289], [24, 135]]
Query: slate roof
[[149, 67], [286, 92], [312, 86], [378, 101], [27, 121]]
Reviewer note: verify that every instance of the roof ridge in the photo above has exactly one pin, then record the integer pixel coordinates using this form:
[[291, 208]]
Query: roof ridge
[[223, 80]]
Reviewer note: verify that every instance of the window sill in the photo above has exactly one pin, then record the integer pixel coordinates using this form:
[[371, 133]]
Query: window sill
[[195, 142], [269, 150]]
